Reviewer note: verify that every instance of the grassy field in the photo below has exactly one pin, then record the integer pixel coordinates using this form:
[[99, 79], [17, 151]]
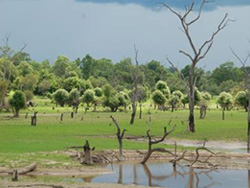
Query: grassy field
[[50, 134]]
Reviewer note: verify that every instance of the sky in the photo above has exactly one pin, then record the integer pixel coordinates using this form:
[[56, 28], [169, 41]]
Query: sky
[[111, 28]]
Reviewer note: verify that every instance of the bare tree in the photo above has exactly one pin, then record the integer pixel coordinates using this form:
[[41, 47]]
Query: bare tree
[[120, 136], [246, 71], [198, 52], [135, 78], [153, 142]]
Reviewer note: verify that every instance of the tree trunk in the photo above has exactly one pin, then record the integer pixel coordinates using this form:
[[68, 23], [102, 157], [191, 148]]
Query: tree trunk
[[191, 101], [140, 115], [72, 114], [133, 114], [61, 118], [223, 113], [248, 126], [172, 107], [120, 149]]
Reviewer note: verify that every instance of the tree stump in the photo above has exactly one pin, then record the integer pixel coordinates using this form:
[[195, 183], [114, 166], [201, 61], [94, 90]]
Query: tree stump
[[15, 175], [87, 154], [33, 119], [61, 118]]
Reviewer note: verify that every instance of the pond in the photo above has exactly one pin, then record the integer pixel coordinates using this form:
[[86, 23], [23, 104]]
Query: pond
[[164, 175]]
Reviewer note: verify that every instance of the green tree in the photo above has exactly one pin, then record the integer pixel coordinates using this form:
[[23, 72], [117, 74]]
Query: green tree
[[88, 97], [17, 102], [174, 101], [60, 66], [159, 98], [225, 100], [241, 99], [74, 99], [61, 96], [163, 87]]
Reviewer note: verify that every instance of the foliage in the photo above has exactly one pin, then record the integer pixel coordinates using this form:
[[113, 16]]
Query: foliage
[[158, 97], [225, 100], [241, 99], [178, 94], [17, 102], [98, 92], [174, 101], [61, 96], [29, 95], [88, 97], [163, 87]]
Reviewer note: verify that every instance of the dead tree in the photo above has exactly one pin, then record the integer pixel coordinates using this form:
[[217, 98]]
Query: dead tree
[[88, 154], [197, 158], [88, 158], [153, 142], [198, 52], [243, 62], [136, 81], [34, 119], [120, 136]]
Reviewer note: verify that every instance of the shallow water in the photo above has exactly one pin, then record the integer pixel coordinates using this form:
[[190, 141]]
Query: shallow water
[[163, 175]]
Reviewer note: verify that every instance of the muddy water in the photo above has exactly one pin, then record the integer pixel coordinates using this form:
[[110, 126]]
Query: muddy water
[[164, 175]]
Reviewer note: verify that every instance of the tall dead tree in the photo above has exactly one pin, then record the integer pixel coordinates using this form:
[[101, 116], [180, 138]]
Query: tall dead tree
[[153, 142], [120, 136], [137, 80], [198, 52], [243, 62]]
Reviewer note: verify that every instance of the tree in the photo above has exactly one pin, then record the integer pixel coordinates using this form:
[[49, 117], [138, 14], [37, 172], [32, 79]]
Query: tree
[[174, 101], [187, 20], [61, 96], [225, 100], [3, 91], [60, 66], [17, 102], [241, 99], [74, 99], [137, 79], [159, 98], [112, 102], [246, 71], [205, 98], [88, 97], [163, 87]]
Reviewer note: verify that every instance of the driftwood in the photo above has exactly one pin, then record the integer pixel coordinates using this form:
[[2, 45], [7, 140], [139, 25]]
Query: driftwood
[[120, 136], [20, 171], [153, 142]]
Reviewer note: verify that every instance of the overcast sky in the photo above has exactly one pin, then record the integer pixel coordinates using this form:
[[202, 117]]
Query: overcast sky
[[109, 29]]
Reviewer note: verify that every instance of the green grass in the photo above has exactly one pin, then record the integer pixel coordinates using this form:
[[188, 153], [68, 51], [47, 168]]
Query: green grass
[[18, 138]]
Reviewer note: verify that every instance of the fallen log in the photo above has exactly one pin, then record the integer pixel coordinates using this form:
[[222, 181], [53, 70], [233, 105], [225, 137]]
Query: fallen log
[[21, 171]]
